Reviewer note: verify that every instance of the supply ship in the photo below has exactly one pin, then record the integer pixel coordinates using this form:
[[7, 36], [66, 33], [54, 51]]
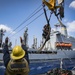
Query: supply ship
[[60, 46]]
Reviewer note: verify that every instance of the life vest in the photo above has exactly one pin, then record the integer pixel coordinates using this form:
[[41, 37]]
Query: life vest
[[19, 67]]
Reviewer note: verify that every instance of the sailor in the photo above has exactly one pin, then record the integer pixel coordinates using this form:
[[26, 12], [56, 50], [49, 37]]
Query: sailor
[[15, 63]]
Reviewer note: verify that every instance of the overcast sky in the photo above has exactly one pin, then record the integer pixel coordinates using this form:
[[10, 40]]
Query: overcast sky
[[14, 12]]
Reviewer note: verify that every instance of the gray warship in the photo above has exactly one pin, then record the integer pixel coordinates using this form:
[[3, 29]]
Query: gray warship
[[60, 46], [58, 52]]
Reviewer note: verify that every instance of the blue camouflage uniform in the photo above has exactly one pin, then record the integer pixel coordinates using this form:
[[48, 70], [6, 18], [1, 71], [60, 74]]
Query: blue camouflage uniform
[[6, 56]]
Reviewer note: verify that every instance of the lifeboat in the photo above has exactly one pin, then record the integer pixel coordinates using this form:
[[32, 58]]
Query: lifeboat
[[70, 45], [66, 44], [63, 44]]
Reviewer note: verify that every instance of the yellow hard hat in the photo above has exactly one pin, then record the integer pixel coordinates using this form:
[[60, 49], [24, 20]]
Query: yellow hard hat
[[17, 53]]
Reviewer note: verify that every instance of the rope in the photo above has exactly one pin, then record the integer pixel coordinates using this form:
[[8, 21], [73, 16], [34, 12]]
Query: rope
[[27, 24], [28, 18], [45, 14], [49, 27]]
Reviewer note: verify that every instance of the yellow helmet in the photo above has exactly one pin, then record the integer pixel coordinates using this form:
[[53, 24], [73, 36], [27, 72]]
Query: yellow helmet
[[17, 53]]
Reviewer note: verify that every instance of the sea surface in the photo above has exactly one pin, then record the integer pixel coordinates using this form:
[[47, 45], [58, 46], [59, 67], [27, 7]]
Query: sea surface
[[42, 67]]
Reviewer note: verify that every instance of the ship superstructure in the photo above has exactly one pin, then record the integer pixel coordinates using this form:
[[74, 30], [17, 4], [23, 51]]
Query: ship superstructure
[[61, 40]]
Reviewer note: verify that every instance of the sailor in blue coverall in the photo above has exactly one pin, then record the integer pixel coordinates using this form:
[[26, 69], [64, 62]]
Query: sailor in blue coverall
[[6, 56]]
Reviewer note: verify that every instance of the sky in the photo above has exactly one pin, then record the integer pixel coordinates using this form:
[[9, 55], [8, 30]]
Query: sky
[[14, 13]]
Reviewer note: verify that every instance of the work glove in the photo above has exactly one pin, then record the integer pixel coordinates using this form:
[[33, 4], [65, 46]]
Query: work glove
[[22, 41], [6, 40]]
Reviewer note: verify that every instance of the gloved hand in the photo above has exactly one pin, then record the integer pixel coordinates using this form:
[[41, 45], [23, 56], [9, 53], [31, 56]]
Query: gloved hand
[[6, 40], [22, 41]]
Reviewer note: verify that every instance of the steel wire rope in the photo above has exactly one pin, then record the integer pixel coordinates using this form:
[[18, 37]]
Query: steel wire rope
[[29, 17], [29, 23]]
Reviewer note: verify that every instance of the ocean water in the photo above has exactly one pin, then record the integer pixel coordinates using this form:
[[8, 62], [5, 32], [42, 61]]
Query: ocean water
[[42, 67]]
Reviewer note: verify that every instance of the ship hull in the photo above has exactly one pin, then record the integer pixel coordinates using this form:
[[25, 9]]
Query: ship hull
[[41, 62], [53, 55], [48, 55]]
